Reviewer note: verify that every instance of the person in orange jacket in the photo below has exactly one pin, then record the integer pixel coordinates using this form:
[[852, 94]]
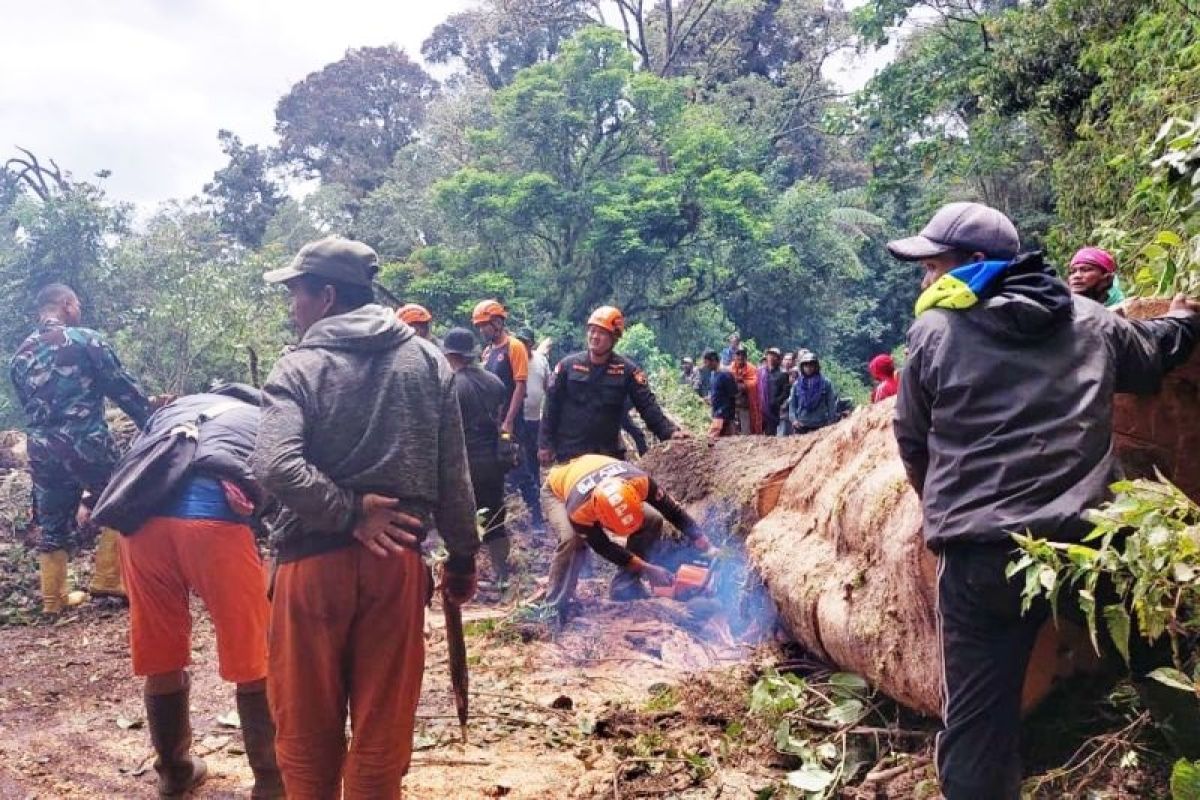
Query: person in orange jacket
[[749, 411], [617, 510]]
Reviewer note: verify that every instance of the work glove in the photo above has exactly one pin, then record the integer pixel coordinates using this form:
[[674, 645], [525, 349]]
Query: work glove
[[458, 587]]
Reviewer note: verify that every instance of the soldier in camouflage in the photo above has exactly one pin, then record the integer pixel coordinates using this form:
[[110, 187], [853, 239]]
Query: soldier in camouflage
[[62, 373]]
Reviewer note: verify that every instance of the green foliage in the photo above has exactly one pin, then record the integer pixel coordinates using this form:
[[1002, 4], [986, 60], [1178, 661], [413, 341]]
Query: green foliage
[[244, 197], [497, 40], [1146, 543], [641, 344], [571, 186], [1185, 780], [788, 703], [847, 382], [194, 311]]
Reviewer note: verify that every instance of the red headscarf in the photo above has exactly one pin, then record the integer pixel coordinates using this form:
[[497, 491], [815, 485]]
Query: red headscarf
[[883, 369], [1096, 257]]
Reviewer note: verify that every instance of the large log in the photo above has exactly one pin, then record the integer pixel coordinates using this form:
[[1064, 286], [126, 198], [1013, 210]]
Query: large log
[[833, 529]]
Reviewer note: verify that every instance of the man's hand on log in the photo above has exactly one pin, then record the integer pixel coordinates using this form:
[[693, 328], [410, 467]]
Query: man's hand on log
[[1184, 303], [383, 529]]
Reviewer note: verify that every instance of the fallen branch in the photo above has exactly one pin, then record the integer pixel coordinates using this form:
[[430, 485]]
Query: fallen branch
[[881, 775], [523, 700]]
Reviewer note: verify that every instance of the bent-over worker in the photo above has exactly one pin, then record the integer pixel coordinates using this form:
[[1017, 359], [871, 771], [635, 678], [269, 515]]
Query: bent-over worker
[[185, 495], [597, 500]]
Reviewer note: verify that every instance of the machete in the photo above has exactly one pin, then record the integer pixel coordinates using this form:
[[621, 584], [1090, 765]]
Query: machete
[[457, 645]]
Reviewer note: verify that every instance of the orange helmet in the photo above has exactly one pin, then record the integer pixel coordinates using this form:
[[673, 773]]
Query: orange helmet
[[413, 314], [485, 310], [618, 506], [610, 319]]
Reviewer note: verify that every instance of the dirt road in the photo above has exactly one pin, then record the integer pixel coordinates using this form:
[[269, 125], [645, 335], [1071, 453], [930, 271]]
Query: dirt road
[[72, 724]]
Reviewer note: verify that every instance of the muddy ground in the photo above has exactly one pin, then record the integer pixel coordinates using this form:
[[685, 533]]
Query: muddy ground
[[645, 699], [557, 709]]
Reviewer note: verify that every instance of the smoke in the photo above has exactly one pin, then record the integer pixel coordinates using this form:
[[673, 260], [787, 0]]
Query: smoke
[[734, 609]]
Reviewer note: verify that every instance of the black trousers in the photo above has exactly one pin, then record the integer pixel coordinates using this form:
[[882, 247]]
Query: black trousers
[[487, 478], [986, 644]]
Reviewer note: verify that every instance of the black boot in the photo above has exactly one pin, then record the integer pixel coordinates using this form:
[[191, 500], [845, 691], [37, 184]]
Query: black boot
[[258, 735], [171, 734]]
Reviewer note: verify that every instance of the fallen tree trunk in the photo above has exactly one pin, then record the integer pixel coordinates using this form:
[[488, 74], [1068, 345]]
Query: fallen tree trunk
[[834, 530]]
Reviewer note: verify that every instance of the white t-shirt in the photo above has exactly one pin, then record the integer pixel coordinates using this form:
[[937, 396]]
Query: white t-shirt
[[535, 388]]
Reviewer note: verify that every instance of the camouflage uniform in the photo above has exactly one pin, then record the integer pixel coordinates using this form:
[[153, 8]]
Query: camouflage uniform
[[62, 375]]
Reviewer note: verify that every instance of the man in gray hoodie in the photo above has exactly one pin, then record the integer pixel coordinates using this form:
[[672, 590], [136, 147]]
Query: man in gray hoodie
[[362, 444]]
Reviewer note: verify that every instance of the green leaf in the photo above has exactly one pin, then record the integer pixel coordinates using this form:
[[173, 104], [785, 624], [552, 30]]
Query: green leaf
[[810, 778], [1117, 619], [783, 734], [1185, 780], [850, 683], [846, 712], [1169, 676], [1168, 239]]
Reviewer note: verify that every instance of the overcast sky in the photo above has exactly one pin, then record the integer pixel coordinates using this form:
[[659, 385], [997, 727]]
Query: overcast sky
[[141, 87]]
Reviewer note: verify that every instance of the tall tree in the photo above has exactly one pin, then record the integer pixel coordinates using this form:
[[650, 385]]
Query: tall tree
[[346, 122], [501, 37], [600, 181], [55, 228], [242, 194]]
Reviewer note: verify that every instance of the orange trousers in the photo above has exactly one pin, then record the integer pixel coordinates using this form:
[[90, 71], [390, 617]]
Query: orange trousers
[[165, 560], [347, 635]]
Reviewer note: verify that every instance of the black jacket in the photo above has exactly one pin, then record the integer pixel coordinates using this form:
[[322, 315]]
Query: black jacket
[[211, 433], [1004, 416], [585, 403]]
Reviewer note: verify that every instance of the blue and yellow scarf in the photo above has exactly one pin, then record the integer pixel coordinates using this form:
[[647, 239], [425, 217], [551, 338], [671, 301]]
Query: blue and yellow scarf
[[961, 288]]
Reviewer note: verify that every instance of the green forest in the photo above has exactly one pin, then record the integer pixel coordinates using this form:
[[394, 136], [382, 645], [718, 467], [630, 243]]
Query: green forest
[[689, 161]]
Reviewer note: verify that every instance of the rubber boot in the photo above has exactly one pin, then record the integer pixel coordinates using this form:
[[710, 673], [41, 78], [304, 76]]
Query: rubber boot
[[171, 734], [106, 577], [258, 735], [498, 549], [53, 569]]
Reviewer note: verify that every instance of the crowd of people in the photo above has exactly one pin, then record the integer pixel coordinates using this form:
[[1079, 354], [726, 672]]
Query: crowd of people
[[370, 434], [783, 395]]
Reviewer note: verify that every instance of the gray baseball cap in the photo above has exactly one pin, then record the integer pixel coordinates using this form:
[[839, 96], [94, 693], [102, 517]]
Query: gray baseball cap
[[972, 227], [337, 259]]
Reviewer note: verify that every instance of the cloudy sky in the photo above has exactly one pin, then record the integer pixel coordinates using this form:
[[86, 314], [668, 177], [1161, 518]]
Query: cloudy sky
[[141, 87]]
